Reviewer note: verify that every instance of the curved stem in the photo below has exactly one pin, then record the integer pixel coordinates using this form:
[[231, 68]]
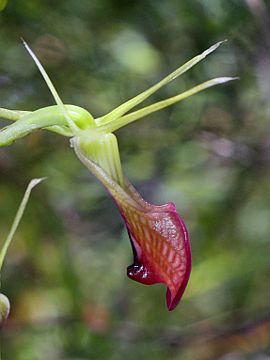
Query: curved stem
[[50, 117], [17, 219]]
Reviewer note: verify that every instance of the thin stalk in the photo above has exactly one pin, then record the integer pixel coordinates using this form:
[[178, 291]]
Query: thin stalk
[[17, 219]]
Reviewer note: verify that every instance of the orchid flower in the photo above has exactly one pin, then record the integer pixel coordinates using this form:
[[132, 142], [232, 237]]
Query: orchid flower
[[158, 235]]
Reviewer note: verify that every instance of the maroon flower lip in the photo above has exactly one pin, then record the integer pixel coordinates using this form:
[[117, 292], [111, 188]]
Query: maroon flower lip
[[161, 249], [158, 236]]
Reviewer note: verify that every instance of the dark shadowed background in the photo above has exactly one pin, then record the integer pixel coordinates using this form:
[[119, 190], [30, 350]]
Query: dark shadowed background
[[66, 270]]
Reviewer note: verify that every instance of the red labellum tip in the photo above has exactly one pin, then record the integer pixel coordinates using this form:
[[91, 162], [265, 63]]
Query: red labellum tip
[[160, 245], [158, 236]]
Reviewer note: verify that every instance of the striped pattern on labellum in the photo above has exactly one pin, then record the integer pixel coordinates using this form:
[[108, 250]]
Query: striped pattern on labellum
[[160, 245], [158, 236]]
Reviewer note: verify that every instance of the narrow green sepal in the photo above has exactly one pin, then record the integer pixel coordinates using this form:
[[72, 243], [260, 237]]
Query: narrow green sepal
[[136, 115], [130, 104]]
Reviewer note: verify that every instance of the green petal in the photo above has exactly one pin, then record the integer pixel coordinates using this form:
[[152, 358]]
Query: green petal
[[126, 119], [124, 108]]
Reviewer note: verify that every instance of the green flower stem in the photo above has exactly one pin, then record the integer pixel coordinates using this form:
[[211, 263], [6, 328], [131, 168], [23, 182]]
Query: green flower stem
[[17, 220], [136, 115], [50, 117], [12, 115]]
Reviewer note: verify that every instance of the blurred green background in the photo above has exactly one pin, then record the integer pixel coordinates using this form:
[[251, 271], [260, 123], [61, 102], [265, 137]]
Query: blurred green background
[[66, 270]]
